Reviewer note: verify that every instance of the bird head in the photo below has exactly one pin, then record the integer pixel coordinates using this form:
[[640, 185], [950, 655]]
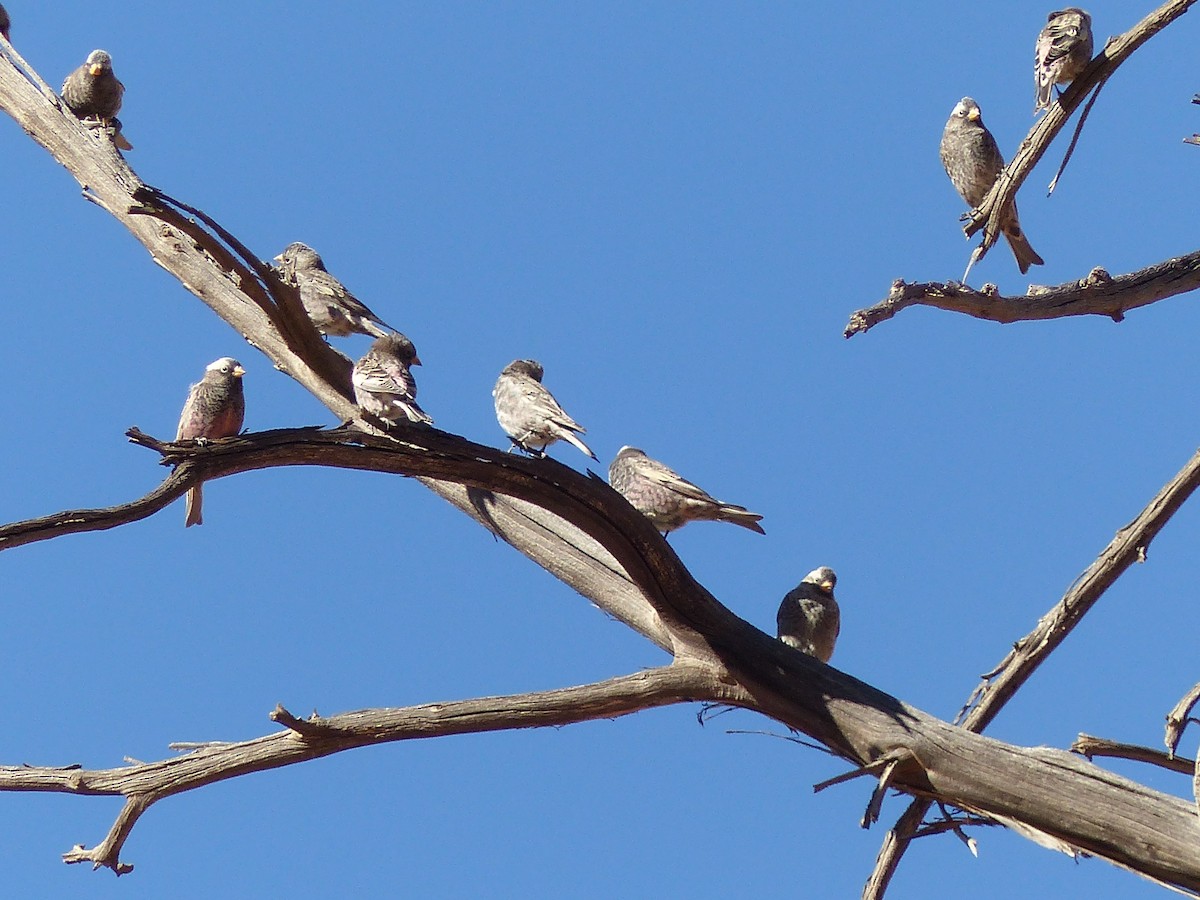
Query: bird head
[[98, 62], [824, 578], [967, 109], [226, 365], [301, 256], [529, 367], [400, 346]]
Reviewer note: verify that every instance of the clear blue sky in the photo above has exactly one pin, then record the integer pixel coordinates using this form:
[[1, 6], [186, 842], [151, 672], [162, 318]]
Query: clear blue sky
[[674, 207]]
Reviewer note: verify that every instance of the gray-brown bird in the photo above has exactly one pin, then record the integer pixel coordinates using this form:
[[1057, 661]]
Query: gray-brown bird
[[973, 161], [383, 383], [666, 498], [5, 22], [215, 408], [92, 90], [809, 618], [529, 414], [1062, 52], [332, 308]]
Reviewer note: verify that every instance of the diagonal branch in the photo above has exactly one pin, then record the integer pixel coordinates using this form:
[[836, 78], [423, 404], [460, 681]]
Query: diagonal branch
[[1129, 546], [143, 784], [989, 214], [214, 267], [1096, 294], [998, 687]]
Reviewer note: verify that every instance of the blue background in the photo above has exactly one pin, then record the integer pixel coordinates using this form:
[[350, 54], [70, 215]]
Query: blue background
[[675, 207]]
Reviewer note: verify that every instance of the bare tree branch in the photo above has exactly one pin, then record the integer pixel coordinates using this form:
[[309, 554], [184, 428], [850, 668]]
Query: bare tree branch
[[1115, 52], [216, 271], [1129, 546], [1097, 294], [1091, 747], [585, 534], [144, 784], [1179, 716]]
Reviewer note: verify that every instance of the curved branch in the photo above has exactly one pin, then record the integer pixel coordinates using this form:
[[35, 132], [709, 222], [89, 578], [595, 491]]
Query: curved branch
[[1096, 294], [143, 784], [219, 270]]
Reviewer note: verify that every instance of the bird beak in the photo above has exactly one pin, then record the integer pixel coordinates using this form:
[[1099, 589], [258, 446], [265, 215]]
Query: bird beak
[[416, 361], [827, 585], [238, 372], [973, 115], [96, 70], [278, 259]]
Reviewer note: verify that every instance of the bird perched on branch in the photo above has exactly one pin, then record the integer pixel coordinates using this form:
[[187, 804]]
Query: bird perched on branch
[[666, 498], [1062, 52], [383, 384], [92, 90], [332, 308], [215, 408], [529, 414], [809, 618], [5, 22], [972, 159]]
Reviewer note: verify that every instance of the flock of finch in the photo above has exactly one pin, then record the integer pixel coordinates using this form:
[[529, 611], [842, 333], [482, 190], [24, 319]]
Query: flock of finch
[[384, 387]]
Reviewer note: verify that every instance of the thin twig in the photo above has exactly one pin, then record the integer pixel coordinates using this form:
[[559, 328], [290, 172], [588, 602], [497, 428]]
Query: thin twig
[[1089, 746]]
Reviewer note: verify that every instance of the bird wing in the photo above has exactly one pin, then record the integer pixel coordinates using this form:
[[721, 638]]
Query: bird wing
[[188, 425], [654, 471], [1059, 38], [542, 402], [328, 286], [385, 376]]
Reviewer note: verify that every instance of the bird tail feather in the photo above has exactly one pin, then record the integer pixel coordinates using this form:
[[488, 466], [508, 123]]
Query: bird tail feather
[[195, 498], [1022, 249], [569, 437], [739, 515]]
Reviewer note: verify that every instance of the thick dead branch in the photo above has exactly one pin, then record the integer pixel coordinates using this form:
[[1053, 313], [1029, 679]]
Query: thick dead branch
[[1043, 792], [146, 783], [1096, 294], [1088, 746], [218, 270]]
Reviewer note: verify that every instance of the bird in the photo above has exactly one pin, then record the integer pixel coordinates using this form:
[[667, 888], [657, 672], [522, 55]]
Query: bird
[[215, 408], [332, 308], [1063, 50], [5, 22], [972, 159], [92, 90], [383, 384], [529, 414], [809, 618], [666, 498]]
